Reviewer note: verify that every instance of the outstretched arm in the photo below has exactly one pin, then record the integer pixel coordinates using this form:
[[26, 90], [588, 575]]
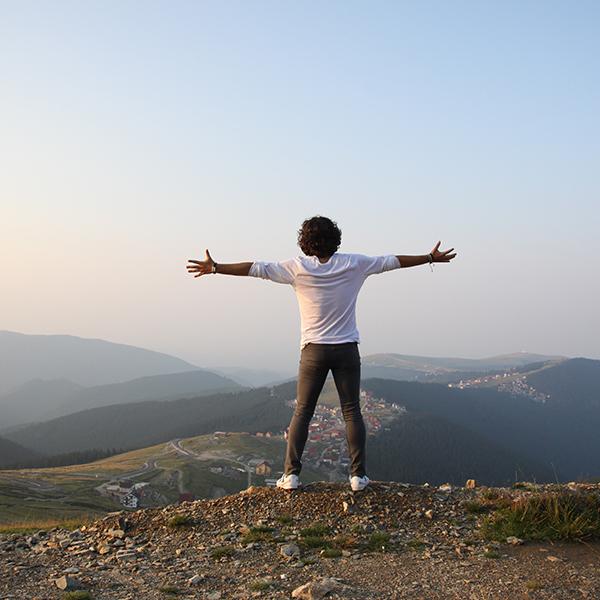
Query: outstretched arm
[[422, 259], [203, 267]]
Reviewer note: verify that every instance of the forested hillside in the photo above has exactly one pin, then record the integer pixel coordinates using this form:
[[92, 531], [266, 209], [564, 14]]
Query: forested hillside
[[421, 448], [144, 423], [562, 437]]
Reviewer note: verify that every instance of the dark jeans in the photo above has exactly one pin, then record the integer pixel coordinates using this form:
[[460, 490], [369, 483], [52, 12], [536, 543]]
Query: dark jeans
[[315, 362]]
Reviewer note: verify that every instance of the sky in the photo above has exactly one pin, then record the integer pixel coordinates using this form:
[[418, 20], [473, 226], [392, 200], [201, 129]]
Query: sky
[[134, 135]]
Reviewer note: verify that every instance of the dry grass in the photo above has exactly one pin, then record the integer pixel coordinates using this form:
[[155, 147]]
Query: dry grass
[[549, 516], [33, 525]]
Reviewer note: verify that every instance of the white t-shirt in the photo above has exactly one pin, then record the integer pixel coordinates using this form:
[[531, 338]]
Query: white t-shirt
[[326, 292]]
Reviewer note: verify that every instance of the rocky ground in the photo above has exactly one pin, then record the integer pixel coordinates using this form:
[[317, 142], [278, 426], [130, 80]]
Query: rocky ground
[[391, 540]]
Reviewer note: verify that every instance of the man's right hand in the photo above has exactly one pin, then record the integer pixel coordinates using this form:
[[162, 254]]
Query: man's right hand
[[201, 267]]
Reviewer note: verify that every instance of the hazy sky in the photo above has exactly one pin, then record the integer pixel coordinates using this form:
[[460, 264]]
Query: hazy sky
[[133, 135]]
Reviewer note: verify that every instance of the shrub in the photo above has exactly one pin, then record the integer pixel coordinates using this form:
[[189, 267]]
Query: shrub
[[221, 551], [180, 521], [80, 595], [378, 540]]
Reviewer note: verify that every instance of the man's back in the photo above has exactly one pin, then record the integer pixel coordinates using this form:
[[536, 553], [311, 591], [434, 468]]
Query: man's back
[[326, 291]]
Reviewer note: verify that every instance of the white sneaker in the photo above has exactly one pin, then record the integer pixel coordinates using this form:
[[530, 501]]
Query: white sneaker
[[358, 483], [288, 482]]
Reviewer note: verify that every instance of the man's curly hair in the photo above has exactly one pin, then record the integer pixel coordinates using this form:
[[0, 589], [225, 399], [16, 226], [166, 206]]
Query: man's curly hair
[[319, 236]]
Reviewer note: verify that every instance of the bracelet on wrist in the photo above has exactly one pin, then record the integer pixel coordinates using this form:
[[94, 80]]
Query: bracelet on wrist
[[430, 258]]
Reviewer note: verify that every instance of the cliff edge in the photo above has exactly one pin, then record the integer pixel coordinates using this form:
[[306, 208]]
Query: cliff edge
[[392, 540]]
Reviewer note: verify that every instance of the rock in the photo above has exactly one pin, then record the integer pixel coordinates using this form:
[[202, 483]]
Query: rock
[[470, 484], [445, 487], [515, 541], [213, 596], [315, 590], [429, 514], [290, 550], [66, 583], [196, 579], [71, 570], [116, 533]]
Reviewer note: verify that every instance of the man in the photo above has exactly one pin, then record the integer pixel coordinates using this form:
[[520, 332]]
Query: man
[[326, 283]]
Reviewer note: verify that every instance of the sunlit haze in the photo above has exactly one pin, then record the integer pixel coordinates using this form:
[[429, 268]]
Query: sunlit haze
[[135, 135]]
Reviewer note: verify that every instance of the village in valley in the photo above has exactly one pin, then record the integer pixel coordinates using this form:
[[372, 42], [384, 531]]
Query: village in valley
[[509, 382], [261, 462], [326, 447]]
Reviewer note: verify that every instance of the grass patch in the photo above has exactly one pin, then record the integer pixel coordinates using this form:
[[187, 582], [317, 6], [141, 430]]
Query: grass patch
[[331, 553], [344, 541], [475, 508], [488, 501], [313, 536], [315, 530], [77, 596], [490, 494], [523, 485], [180, 521], [221, 551], [491, 554], [285, 519], [549, 516], [257, 534], [416, 544], [259, 585], [315, 541], [378, 541], [533, 584], [169, 590]]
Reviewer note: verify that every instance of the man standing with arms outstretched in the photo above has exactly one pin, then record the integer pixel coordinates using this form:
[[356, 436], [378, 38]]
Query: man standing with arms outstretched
[[326, 283]]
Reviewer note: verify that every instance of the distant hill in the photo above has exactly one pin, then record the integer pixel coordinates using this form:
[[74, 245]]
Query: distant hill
[[139, 424], [254, 377], [404, 367], [42, 400], [34, 400], [574, 383], [84, 361], [12, 453]]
